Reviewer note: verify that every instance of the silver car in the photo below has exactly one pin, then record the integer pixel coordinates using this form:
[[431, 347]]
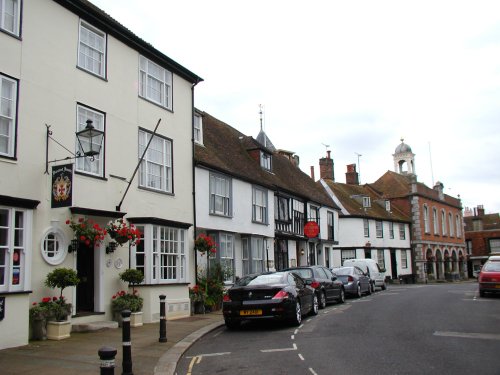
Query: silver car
[[356, 282]]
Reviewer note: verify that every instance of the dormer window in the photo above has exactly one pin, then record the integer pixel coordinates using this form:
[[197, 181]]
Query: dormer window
[[265, 160], [198, 129], [388, 206], [366, 202]]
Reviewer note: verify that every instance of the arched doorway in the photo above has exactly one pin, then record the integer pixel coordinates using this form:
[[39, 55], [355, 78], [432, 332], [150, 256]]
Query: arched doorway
[[430, 264], [439, 265]]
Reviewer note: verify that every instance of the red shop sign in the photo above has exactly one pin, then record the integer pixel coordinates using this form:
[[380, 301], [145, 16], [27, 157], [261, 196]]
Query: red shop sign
[[311, 229]]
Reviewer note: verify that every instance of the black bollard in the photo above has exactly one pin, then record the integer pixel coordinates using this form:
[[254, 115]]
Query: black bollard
[[107, 357], [163, 319], [127, 344]]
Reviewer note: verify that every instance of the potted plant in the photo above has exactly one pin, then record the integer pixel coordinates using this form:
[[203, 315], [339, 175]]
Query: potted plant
[[204, 244], [129, 301], [122, 232], [39, 312], [197, 298], [86, 231], [58, 325]]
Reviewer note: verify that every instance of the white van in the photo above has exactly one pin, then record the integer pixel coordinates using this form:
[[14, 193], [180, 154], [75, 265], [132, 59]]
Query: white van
[[372, 269]]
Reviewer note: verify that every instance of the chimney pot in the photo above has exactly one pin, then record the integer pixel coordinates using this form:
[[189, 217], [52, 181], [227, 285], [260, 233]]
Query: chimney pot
[[312, 173]]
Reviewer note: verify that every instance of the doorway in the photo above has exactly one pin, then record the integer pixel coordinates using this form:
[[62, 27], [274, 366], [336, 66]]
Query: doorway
[[281, 255], [394, 265], [85, 270]]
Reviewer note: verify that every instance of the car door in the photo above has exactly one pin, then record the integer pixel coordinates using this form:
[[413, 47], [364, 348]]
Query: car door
[[304, 294], [364, 280], [335, 286]]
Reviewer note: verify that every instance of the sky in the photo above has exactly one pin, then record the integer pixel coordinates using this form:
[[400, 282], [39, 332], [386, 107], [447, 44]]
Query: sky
[[352, 77]]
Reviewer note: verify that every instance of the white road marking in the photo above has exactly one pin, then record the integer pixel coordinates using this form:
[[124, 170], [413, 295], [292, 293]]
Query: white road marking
[[312, 371], [300, 356], [209, 355], [469, 335], [296, 331], [293, 337]]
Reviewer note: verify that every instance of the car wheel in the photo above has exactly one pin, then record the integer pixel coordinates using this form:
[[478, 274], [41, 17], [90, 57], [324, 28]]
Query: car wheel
[[358, 291], [232, 324], [342, 296], [315, 305], [481, 293], [322, 300], [384, 286], [297, 318], [372, 286], [369, 291]]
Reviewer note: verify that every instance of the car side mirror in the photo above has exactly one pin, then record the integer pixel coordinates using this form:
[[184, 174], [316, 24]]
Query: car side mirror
[[334, 278]]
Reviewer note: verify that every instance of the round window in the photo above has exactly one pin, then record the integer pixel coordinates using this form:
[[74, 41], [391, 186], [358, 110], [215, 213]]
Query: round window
[[54, 247]]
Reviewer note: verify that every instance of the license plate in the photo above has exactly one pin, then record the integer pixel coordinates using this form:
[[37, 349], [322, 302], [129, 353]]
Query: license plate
[[251, 312]]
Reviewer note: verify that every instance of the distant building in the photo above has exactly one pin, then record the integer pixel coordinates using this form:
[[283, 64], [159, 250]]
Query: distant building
[[437, 236], [482, 237]]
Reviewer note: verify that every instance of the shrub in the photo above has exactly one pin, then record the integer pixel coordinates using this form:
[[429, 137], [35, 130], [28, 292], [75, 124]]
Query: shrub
[[126, 301]]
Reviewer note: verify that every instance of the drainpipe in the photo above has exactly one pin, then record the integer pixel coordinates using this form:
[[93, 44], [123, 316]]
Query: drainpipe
[[194, 180]]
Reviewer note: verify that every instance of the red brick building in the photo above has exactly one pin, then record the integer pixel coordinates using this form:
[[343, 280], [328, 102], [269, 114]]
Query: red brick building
[[482, 237], [438, 241]]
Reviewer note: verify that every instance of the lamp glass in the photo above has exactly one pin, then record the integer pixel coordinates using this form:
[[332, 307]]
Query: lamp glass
[[90, 139]]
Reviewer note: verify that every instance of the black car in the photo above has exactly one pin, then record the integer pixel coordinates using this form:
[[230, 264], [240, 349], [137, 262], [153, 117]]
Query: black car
[[326, 284], [269, 295]]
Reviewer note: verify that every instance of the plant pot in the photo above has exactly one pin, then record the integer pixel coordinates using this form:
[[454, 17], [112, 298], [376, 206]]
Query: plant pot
[[58, 330], [38, 329], [136, 319]]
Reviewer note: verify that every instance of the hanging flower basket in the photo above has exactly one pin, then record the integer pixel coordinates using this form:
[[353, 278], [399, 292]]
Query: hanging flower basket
[[86, 231], [205, 244], [122, 232]]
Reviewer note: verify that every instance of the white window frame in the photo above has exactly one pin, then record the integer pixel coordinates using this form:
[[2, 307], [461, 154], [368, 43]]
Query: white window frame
[[435, 220], [458, 224], [54, 246], [379, 227], [198, 129], [443, 223], [330, 225], [391, 230], [259, 205], [265, 160], [450, 223], [164, 250], [220, 194], [151, 73], [92, 50], [155, 171], [12, 249], [426, 219], [388, 206], [366, 227], [494, 245], [95, 165], [381, 258], [347, 254], [8, 115], [402, 231], [367, 202], [15, 18], [257, 254], [225, 254], [404, 259]]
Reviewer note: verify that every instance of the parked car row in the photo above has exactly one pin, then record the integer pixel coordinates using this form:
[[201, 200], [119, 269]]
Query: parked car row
[[292, 293]]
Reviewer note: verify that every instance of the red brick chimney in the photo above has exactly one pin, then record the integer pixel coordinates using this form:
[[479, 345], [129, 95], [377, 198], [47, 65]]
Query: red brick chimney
[[351, 176], [480, 210], [326, 167], [312, 173]]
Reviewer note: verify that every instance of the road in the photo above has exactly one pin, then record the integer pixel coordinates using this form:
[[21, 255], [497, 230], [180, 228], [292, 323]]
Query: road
[[407, 329]]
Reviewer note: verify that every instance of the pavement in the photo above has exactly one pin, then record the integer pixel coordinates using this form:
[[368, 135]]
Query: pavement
[[77, 355]]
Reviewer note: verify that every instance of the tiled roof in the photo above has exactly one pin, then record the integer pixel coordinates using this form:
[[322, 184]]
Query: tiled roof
[[351, 198], [225, 149], [490, 222], [395, 185]]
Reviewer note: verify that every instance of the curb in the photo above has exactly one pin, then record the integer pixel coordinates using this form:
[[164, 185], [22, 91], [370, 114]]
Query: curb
[[168, 362]]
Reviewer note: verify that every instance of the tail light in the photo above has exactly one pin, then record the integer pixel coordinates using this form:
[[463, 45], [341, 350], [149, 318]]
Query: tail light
[[315, 284], [226, 298], [281, 295], [350, 279]]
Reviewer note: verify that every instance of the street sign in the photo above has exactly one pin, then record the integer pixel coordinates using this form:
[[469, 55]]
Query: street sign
[[311, 229]]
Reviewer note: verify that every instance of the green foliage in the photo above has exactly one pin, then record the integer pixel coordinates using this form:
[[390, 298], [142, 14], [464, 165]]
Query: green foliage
[[62, 278], [212, 287], [132, 276], [50, 308], [126, 301]]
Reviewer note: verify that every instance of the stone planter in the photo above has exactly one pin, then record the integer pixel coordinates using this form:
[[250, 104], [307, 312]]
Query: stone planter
[[58, 330], [136, 319], [38, 329]]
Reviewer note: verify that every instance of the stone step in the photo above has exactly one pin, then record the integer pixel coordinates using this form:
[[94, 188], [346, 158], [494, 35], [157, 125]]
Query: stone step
[[94, 326]]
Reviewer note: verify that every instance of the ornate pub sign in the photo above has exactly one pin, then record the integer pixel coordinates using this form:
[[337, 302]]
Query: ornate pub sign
[[62, 181]]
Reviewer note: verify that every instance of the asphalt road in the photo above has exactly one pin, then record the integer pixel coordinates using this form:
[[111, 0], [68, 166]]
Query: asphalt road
[[407, 329]]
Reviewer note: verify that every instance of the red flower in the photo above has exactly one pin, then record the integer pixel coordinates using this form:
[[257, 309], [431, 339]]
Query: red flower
[[46, 299]]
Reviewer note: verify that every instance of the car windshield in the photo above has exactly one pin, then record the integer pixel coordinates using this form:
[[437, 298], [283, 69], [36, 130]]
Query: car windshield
[[492, 267], [305, 273], [270, 278], [343, 271]]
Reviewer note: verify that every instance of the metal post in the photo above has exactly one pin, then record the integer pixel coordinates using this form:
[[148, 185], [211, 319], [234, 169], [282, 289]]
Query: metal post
[[107, 356], [163, 319], [127, 344]]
